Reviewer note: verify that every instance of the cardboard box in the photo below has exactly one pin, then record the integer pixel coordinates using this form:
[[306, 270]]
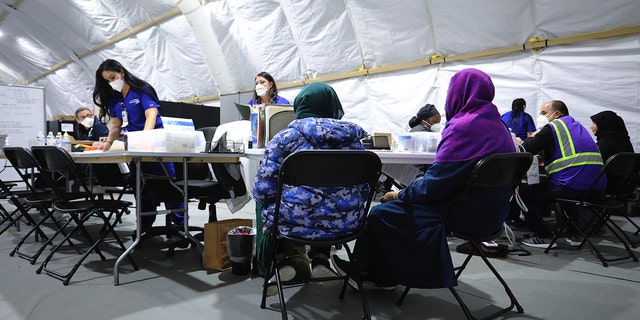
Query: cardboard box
[[215, 242], [63, 117]]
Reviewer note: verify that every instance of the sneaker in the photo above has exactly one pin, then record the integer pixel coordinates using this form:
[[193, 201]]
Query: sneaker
[[343, 266], [537, 242], [290, 268], [574, 240], [321, 268]]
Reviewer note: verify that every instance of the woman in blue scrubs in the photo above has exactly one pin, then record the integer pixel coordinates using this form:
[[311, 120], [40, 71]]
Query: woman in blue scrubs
[[133, 105]]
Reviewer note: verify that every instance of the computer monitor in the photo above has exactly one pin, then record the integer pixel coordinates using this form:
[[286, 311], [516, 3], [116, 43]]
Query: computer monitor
[[244, 110], [276, 118]]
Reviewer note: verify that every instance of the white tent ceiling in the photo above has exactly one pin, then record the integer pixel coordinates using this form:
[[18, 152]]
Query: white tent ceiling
[[384, 58]]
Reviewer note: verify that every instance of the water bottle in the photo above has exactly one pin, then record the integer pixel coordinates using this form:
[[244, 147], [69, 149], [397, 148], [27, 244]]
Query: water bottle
[[40, 139], [66, 142], [59, 139], [6, 142], [51, 139]]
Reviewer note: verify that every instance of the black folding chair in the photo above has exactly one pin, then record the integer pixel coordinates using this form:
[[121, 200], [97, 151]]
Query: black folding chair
[[40, 194], [322, 169], [56, 160], [496, 171], [625, 167], [7, 194], [209, 183]]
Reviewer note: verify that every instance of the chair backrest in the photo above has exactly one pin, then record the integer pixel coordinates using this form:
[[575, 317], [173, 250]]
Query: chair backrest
[[208, 135], [57, 160], [622, 171], [20, 158], [197, 171], [330, 168], [229, 175], [27, 167], [326, 168], [499, 170]]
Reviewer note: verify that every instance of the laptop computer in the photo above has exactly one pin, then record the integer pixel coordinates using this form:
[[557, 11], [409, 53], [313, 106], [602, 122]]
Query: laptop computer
[[245, 110]]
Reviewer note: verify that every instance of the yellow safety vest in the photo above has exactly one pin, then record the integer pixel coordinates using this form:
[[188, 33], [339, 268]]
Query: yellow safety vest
[[569, 157]]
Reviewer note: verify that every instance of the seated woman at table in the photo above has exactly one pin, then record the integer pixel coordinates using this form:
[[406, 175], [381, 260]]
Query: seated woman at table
[[426, 120], [405, 241], [133, 105], [266, 91], [612, 137], [317, 126]]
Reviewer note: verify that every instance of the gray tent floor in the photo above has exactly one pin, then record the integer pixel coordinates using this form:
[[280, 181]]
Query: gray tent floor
[[567, 283]]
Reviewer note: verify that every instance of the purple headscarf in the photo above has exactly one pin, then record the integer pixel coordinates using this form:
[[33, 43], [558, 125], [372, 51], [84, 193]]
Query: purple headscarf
[[473, 128]]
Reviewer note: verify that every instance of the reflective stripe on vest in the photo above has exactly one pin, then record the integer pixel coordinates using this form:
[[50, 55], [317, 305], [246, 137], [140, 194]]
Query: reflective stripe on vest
[[569, 156]]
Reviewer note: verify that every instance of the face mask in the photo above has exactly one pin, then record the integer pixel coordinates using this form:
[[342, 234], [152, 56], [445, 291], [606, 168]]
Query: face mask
[[87, 122], [436, 127], [261, 90], [117, 84], [541, 121]]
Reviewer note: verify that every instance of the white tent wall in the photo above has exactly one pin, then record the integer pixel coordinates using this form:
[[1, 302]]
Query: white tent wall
[[372, 52]]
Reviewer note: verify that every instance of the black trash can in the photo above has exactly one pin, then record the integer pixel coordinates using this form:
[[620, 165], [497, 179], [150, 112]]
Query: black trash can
[[240, 247]]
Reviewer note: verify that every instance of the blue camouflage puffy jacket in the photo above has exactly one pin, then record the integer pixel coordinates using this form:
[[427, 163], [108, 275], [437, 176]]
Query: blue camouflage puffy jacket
[[312, 213]]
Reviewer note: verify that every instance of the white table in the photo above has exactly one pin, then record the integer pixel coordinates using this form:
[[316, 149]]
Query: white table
[[138, 157], [393, 162], [386, 156]]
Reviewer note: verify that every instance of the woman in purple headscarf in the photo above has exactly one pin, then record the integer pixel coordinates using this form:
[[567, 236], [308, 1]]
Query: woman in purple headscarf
[[405, 240]]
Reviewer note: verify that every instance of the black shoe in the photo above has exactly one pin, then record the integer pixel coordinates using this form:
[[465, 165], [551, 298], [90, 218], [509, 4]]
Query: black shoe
[[517, 223], [343, 267]]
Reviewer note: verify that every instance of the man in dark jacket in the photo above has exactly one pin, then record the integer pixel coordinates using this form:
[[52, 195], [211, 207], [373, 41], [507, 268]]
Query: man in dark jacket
[[572, 161]]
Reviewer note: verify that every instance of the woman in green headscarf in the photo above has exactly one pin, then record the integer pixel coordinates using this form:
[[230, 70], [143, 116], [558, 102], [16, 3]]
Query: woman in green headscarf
[[318, 100], [317, 126]]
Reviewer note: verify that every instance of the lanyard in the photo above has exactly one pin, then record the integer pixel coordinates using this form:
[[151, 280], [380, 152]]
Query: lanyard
[[125, 115]]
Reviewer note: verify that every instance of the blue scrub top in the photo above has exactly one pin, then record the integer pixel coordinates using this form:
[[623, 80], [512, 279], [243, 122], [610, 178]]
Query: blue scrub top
[[277, 100], [136, 103], [520, 129]]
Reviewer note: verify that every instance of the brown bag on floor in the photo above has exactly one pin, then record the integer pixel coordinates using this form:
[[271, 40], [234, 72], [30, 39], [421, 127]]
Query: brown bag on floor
[[215, 242]]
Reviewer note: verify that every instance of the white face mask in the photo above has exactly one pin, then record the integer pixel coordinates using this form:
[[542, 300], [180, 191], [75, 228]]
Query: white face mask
[[87, 122], [541, 121], [117, 84], [436, 127], [261, 90]]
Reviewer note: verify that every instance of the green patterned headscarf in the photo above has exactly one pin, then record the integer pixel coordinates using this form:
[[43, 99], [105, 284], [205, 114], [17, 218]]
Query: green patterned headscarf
[[318, 100]]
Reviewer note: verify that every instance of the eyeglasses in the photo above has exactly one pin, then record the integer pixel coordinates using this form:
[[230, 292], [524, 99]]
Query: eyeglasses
[[88, 115]]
